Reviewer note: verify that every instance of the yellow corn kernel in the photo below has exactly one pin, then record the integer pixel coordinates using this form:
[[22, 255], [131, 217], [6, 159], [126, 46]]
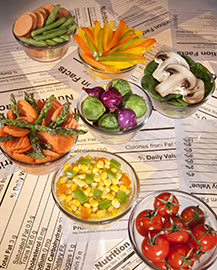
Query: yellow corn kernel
[[97, 177], [94, 184], [103, 175], [118, 175], [100, 164], [73, 207], [69, 209], [68, 198], [88, 157], [107, 162], [107, 182], [63, 179], [94, 203], [123, 188], [110, 197], [74, 187], [107, 189], [78, 213], [114, 169], [95, 170], [114, 188], [87, 205], [116, 203], [66, 166], [81, 176], [76, 169], [115, 181], [110, 208], [92, 216], [62, 197], [76, 202], [128, 191], [84, 167], [58, 184], [101, 214], [101, 183], [104, 194], [86, 192]]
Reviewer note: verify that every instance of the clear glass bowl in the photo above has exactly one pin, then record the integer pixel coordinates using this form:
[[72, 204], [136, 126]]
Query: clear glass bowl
[[179, 112], [125, 168], [39, 168], [116, 137], [98, 74], [185, 199], [45, 53]]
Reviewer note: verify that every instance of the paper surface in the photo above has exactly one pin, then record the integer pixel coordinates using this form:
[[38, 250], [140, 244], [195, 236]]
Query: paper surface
[[34, 233]]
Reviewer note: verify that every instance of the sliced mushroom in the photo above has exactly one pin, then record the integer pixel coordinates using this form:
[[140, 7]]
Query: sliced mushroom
[[165, 58], [181, 81], [198, 95]]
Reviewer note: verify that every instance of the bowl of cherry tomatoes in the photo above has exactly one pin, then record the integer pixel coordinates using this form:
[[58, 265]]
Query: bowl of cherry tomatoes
[[174, 229]]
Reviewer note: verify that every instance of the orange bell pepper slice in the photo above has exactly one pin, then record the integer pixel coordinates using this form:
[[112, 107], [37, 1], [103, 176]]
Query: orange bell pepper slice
[[117, 35], [83, 46], [126, 180]]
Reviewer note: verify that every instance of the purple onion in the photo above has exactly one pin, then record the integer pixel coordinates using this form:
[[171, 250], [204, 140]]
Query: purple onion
[[95, 91], [111, 99], [127, 118]]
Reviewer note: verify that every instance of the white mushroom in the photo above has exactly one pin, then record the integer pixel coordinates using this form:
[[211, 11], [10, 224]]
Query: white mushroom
[[196, 96], [181, 81], [165, 58]]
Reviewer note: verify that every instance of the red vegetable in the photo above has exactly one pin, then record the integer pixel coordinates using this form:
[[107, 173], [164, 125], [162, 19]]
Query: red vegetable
[[127, 118], [111, 99]]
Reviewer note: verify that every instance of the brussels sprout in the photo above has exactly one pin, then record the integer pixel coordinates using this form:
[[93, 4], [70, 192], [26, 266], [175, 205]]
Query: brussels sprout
[[92, 108], [119, 85], [137, 104], [109, 121]]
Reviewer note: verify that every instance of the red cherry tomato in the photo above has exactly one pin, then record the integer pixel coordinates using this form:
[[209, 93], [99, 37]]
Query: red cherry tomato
[[205, 235], [155, 247], [193, 215], [148, 220], [178, 255], [161, 265], [167, 204], [175, 230]]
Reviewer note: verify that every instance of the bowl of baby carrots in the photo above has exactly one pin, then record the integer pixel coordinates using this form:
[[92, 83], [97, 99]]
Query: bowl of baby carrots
[[37, 136], [95, 188], [108, 52], [45, 33]]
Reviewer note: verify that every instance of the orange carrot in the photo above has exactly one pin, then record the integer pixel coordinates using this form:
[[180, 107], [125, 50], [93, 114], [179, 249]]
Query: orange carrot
[[39, 104], [10, 114], [19, 145], [16, 131], [70, 122], [26, 109], [84, 213], [27, 118], [126, 180], [23, 157], [62, 189], [2, 132], [56, 113]]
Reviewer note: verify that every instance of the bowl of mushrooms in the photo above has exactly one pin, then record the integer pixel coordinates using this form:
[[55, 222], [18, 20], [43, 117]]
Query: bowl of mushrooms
[[177, 84]]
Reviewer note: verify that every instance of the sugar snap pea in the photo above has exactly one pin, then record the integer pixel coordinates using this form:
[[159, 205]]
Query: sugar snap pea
[[54, 30], [65, 37], [34, 42], [48, 27], [52, 15]]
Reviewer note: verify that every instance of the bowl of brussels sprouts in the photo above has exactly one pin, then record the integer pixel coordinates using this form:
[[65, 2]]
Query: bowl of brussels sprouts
[[114, 110]]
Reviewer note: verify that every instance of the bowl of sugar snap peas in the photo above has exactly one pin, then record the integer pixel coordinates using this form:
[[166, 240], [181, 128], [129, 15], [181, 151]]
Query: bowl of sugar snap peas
[[45, 33]]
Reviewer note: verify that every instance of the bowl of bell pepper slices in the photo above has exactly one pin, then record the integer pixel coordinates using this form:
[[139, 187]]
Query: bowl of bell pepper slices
[[107, 53]]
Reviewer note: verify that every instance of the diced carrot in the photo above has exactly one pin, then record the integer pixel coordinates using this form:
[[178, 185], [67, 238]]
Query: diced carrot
[[23, 25], [62, 189], [23, 157], [84, 214], [10, 114], [26, 109], [16, 131], [126, 180]]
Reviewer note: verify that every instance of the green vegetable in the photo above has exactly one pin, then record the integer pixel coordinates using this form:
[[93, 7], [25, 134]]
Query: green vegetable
[[120, 85], [62, 116], [50, 42], [30, 98], [89, 178], [51, 35], [137, 104], [48, 27], [14, 106], [52, 15], [58, 39], [33, 41], [35, 144], [16, 123], [90, 45], [126, 44], [79, 194], [92, 108], [6, 138], [115, 163], [44, 110], [70, 173], [97, 193], [104, 204], [121, 196], [71, 28], [86, 161], [109, 121], [110, 174], [68, 22]]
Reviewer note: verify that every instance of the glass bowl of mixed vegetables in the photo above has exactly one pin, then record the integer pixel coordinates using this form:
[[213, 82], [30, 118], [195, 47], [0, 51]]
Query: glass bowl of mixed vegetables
[[108, 52], [173, 229], [45, 33], [95, 188], [114, 110], [178, 86], [37, 136]]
